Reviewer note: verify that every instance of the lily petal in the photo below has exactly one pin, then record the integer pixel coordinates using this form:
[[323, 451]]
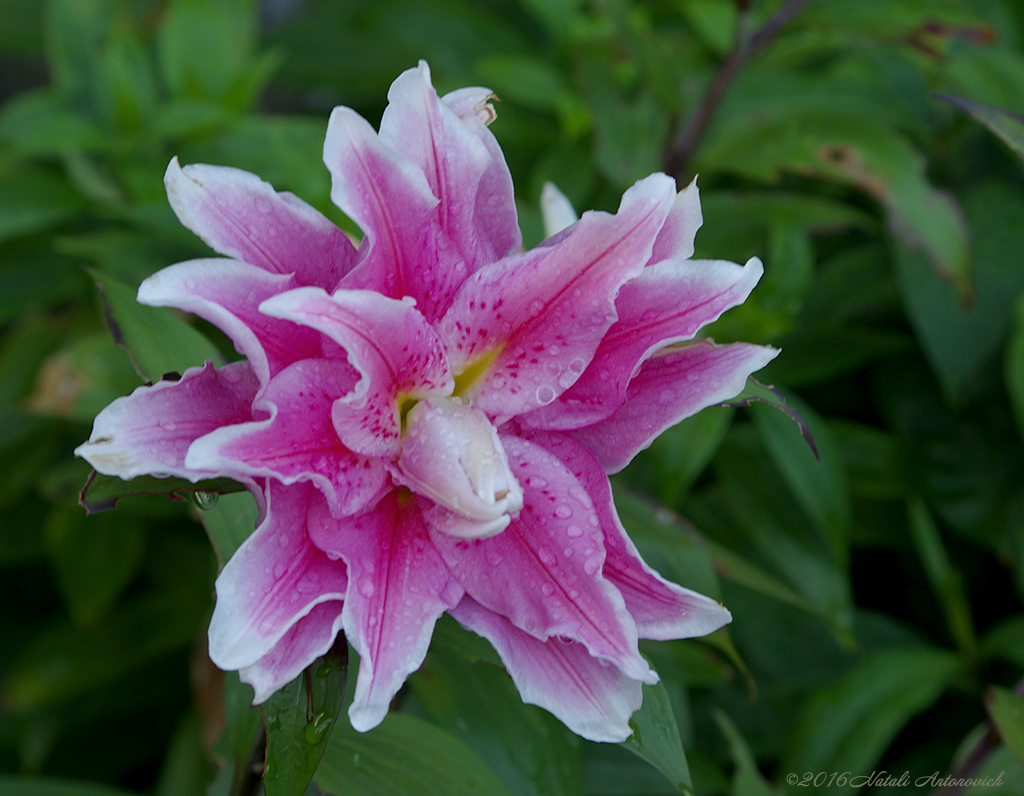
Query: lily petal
[[227, 293], [662, 609], [389, 343], [399, 587], [668, 302], [306, 640], [543, 572], [556, 210], [675, 383], [239, 215], [522, 330], [149, 432], [591, 697], [274, 579], [675, 240], [298, 442]]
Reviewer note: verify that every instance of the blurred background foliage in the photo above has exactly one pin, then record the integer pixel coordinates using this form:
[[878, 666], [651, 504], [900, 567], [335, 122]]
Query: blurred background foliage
[[876, 594]]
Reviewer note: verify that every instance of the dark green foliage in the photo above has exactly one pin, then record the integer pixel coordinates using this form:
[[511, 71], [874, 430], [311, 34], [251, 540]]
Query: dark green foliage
[[869, 152]]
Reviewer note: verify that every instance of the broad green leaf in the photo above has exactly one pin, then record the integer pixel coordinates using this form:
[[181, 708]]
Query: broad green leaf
[[1008, 126], [656, 739], [945, 579], [404, 756], [229, 522], [536, 84], [158, 341], [861, 152], [38, 123], [959, 340], [1007, 711], [125, 75], [186, 769], [681, 453], [1014, 363], [300, 718], [32, 278], [848, 726], [32, 200], [530, 750], [872, 459], [94, 559], [46, 786], [747, 779], [102, 492], [819, 484], [75, 30], [1005, 640]]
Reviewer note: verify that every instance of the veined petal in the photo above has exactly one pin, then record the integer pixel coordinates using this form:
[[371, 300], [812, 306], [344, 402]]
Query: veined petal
[[274, 579], [306, 640], [668, 302], [672, 385], [543, 572], [661, 609], [452, 455], [387, 195], [454, 158], [149, 432], [531, 323], [227, 293], [399, 587], [591, 697], [297, 442], [241, 216], [389, 343], [675, 240]]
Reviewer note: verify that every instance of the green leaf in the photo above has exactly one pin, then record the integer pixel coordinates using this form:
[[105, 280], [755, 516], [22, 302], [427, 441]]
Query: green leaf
[[46, 786], [95, 558], [158, 341], [102, 492], [1014, 364], [945, 579], [960, 339], [747, 779], [229, 523], [1007, 711], [404, 756], [1008, 126], [858, 151], [32, 200], [656, 738], [38, 123], [300, 718], [530, 750], [847, 727]]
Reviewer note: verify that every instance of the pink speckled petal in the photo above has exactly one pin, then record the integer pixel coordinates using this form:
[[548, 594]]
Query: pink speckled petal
[[241, 216], [227, 293], [306, 640], [399, 587], [667, 303], [675, 383], [297, 441], [661, 609], [274, 579], [149, 432], [543, 572], [389, 343], [532, 322], [592, 697]]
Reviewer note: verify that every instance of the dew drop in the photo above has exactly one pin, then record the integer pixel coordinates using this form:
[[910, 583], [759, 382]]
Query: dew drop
[[547, 589], [563, 511], [262, 204], [536, 306], [279, 570], [205, 500], [567, 552], [366, 587], [574, 531], [545, 394], [168, 425], [536, 482], [546, 556]]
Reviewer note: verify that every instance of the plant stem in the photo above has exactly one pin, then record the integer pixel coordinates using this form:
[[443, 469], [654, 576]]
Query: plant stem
[[678, 157]]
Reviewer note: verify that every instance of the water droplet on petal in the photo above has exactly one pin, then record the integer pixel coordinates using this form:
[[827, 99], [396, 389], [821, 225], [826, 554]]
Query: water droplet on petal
[[279, 570], [546, 556], [574, 531], [547, 589], [366, 587], [545, 394], [205, 500], [563, 511]]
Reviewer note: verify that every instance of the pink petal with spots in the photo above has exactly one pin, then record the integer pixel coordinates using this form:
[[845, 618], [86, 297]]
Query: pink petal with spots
[[394, 349], [661, 609], [675, 240], [667, 303], [453, 157], [298, 442], [241, 216], [532, 322], [149, 432], [274, 579], [543, 572], [672, 385], [399, 586], [306, 640], [589, 695], [227, 293]]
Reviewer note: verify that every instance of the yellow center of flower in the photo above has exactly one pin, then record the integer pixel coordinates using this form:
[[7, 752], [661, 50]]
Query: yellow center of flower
[[474, 370]]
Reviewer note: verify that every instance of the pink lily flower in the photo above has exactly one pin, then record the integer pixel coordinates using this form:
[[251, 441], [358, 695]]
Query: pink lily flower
[[427, 420]]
